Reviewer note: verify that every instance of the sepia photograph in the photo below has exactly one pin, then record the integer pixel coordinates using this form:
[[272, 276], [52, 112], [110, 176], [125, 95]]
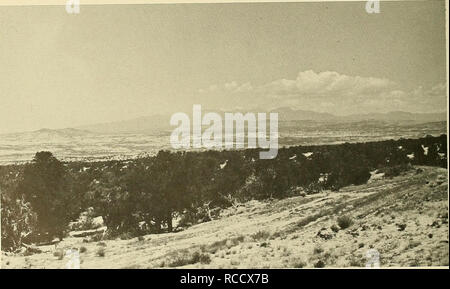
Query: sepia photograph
[[224, 135]]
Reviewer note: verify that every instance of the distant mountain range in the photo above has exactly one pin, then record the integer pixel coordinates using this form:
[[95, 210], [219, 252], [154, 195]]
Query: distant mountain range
[[147, 124], [47, 133], [160, 123], [399, 116], [289, 114]]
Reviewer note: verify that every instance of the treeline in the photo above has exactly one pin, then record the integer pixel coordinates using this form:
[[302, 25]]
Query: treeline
[[145, 195]]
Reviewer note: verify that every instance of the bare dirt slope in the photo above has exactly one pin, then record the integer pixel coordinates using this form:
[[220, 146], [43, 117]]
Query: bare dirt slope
[[405, 219]]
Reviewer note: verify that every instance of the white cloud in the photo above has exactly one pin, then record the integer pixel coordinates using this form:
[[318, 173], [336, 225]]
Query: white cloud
[[330, 91]]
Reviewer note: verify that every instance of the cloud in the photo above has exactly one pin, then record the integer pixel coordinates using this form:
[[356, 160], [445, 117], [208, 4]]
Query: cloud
[[329, 91], [311, 84], [434, 98]]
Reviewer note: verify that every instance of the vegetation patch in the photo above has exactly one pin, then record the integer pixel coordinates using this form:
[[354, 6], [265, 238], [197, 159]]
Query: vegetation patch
[[344, 221], [136, 197], [196, 257]]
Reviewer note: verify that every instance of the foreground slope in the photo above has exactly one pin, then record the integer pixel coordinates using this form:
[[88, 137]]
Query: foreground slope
[[405, 219]]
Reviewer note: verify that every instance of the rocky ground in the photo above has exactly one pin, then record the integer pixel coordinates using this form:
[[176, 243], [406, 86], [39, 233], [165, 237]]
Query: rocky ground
[[398, 222]]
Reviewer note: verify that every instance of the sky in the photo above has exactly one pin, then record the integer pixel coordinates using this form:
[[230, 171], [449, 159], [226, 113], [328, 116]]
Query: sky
[[118, 62]]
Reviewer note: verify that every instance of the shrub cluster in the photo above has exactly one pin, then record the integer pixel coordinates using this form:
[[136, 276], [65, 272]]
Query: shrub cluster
[[141, 196]]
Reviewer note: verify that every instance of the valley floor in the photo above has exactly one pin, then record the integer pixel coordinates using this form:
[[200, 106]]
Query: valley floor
[[405, 219]]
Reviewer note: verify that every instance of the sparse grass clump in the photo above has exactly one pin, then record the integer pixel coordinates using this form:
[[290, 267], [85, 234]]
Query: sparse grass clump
[[305, 221], [261, 235], [59, 253], [311, 218], [297, 263], [344, 221], [318, 250], [100, 252], [334, 228], [264, 245], [201, 257], [197, 257], [83, 249], [319, 264], [226, 243], [277, 235], [240, 238], [214, 247], [356, 262]]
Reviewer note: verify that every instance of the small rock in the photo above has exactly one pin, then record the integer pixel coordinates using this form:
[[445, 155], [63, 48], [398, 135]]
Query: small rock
[[435, 224], [401, 227], [325, 234], [334, 228], [353, 233]]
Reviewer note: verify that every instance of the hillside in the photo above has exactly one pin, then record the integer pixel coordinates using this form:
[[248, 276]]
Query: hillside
[[404, 218]]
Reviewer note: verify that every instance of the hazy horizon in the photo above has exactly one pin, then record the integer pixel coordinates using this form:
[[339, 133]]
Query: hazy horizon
[[119, 62]]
